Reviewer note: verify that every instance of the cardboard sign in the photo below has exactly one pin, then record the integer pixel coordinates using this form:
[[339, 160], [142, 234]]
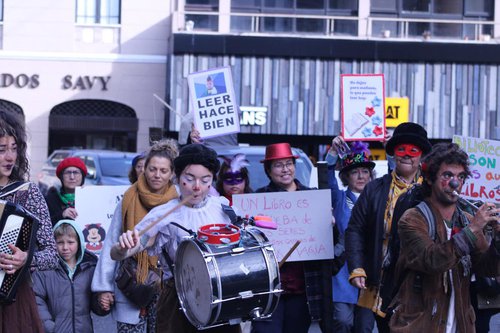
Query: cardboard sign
[[300, 215], [397, 110], [215, 111], [362, 107], [484, 158], [95, 206]]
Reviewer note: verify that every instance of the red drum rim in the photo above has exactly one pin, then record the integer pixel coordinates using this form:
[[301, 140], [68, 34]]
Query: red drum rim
[[219, 234]]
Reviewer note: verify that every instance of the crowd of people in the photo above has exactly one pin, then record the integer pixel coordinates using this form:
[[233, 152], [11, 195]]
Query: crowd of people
[[405, 251]]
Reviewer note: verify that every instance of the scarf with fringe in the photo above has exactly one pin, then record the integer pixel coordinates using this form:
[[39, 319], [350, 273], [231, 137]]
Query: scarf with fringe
[[137, 201]]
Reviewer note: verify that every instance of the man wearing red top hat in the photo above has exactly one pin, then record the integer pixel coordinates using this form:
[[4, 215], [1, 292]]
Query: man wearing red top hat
[[298, 305]]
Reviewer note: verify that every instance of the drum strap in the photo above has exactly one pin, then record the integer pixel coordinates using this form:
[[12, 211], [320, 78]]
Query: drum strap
[[230, 213], [170, 263]]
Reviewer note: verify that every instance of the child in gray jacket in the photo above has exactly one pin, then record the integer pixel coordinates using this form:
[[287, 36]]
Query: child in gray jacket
[[63, 295]]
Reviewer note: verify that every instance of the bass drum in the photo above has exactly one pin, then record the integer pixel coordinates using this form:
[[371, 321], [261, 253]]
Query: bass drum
[[227, 284]]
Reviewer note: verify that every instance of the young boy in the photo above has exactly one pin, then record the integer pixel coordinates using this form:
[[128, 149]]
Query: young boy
[[63, 295]]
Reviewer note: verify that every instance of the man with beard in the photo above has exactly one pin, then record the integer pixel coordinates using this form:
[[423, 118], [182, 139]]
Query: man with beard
[[441, 246]]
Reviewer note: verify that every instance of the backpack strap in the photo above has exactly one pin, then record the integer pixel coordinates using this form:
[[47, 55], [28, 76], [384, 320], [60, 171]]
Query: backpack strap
[[426, 211]]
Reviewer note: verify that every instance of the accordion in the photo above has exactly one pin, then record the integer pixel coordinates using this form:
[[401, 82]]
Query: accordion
[[17, 227]]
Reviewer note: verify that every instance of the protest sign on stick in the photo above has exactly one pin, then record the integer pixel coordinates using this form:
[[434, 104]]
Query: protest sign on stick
[[362, 107], [213, 101]]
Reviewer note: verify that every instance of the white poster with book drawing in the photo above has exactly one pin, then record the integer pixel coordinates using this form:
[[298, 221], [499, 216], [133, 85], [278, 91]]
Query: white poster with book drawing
[[95, 206], [362, 107], [304, 216], [484, 159], [213, 101]]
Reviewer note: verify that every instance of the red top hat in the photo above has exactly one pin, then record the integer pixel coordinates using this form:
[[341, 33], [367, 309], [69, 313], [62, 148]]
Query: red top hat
[[278, 151]]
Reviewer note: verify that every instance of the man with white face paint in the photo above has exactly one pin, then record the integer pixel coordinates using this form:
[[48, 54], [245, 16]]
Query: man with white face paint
[[368, 233]]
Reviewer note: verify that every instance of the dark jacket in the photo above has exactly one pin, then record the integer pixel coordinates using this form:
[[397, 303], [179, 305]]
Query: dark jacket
[[64, 304], [317, 273], [55, 204], [425, 308], [365, 232]]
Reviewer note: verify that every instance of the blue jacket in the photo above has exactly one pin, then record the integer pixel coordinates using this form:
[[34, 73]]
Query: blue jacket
[[343, 291]]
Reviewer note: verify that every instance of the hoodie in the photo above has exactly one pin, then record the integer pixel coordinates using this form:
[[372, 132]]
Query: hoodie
[[63, 295]]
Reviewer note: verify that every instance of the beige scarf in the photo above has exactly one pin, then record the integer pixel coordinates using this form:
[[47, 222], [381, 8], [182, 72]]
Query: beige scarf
[[137, 201]]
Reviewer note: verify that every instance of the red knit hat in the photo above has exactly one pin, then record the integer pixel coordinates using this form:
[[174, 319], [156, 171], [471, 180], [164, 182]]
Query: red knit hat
[[71, 162]]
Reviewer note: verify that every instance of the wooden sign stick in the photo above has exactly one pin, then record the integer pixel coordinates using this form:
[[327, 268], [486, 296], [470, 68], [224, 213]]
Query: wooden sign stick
[[152, 224], [289, 253]]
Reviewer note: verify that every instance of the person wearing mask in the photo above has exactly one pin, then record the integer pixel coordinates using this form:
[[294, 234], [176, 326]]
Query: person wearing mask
[[298, 304], [22, 316], [368, 233], [195, 169], [61, 201], [356, 171], [137, 168], [233, 177], [153, 188], [441, 247]]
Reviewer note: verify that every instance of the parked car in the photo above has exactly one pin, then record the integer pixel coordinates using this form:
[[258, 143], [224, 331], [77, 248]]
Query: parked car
[[105, 167], [305, 171]]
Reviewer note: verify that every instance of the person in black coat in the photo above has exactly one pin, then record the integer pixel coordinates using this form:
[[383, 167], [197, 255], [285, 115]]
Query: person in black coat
[[61, 202]]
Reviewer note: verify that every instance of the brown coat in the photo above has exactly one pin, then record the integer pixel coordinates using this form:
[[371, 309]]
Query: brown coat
[[427, 310]]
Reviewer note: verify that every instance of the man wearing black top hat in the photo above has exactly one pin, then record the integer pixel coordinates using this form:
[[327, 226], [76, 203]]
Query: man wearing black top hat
[[305, 291], [367, 236]]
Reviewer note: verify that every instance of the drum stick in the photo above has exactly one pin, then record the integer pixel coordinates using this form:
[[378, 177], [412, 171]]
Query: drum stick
[[152, 224], [289, 253]]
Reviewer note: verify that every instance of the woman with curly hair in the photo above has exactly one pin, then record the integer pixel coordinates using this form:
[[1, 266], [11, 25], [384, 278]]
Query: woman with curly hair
[[22, 315], [153, 188]]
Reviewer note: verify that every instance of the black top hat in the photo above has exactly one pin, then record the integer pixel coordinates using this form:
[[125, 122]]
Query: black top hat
[[409, 133]]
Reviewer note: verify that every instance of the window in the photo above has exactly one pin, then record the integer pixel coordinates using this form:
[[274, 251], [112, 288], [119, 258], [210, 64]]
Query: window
[[1, 10], [478, 10], [98, 11], [295, 8]]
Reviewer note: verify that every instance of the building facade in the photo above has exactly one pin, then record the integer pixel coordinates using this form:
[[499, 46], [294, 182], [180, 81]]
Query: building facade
[[287, 57], [113, 74], [84, 73]]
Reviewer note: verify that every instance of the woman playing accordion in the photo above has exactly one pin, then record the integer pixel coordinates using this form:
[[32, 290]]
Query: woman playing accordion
[[21, 314]]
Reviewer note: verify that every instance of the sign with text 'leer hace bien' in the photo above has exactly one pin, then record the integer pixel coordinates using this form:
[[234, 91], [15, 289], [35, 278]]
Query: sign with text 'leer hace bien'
[[215, 111], [300, 215]]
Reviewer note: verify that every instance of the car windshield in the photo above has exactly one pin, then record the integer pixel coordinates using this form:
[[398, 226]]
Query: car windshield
[[115, 166]]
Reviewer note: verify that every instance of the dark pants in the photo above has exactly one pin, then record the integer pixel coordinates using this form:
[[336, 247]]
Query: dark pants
[[364, 320], [382, 324], [291, 316]]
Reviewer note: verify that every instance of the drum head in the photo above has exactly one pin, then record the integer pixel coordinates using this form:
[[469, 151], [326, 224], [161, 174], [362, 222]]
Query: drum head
[[193, 283]]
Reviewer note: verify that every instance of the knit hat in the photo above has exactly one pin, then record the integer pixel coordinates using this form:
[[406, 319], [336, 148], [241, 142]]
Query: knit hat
[[409, 133], [359, 156], [278, 151], [71, 162], [196, 154]]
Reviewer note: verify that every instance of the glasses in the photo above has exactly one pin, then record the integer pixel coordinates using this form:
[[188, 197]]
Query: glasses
[[447, 175], [74, 173], [282, 166]]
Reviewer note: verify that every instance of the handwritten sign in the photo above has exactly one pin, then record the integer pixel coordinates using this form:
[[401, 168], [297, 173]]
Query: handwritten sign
[[363, 107], [95, 206], [215, 111], [484, 158], [300, 215]]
